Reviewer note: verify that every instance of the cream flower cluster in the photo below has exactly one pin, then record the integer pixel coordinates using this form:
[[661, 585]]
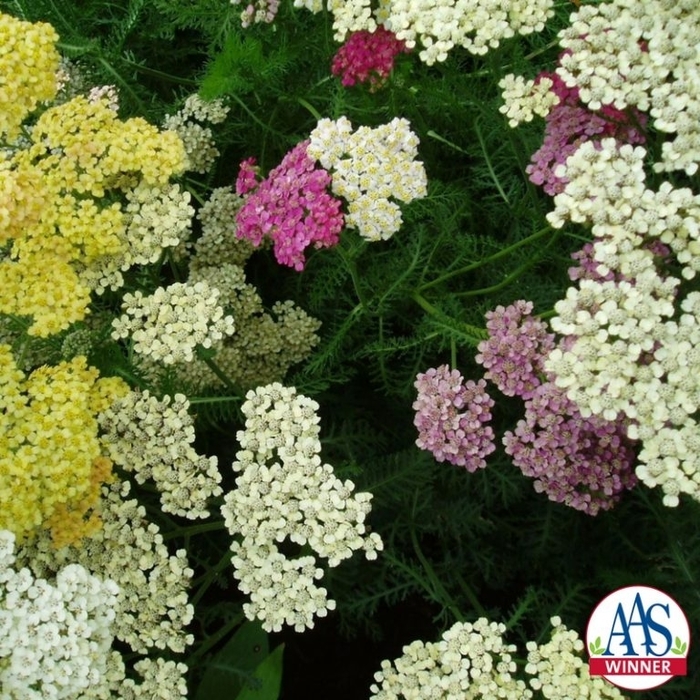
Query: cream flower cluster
[[560, 671], [643, 54], [525, 98], [471, 661], [152, 608], [55, 638], [266, 343], [439, 25], [476, 25], [161, 679], [348, 15], [198, 140], [154, 439], [370, 168], [155, 218], [218, 243], [285, 494], [170, 324], [635, 336]]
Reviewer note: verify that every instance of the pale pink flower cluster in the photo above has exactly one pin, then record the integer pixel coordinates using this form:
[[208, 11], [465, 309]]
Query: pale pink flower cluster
[[515, 350], [585, 463], [451, 418], [291, 207]]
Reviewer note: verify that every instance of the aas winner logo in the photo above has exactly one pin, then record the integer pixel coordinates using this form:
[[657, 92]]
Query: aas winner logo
[[638, 638]]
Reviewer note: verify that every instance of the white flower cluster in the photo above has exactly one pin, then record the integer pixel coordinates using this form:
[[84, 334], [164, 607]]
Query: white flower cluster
[[152, 608], [476, 25], [348, 15], [286, 495], [198, 140], [154, 439], [525, 98], [634, 337], [173, 321], [471, 661], [154, 218], [561, 673], [370, 167], [439, 25], [55, 638], [164, 680], [643, 54]]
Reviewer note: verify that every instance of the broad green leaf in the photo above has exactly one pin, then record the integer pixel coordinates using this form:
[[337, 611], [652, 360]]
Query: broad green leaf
[[269, 673], [226, 673]]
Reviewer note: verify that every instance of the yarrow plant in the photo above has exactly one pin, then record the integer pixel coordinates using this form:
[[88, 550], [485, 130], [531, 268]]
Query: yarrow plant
[[171, 323], [147, 337], [285, 493], [370, 169], [472, 661], [452, 418], [55, 637], [367, 57], [291, 207]]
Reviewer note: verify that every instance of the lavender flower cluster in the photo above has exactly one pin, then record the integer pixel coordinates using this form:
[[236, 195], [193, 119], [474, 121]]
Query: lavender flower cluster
[[451, 418], [585, 463]]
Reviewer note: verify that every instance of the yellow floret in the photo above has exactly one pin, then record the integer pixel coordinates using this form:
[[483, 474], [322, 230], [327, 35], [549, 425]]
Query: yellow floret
[[51, 466], [28, 65]]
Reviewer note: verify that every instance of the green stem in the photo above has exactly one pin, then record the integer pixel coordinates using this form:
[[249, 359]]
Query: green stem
[[214, 640], [258, 121], [218, 372], [471, 597], [195, 529], [437, 137], [471, 332], [496, 256], [314, 112], [205, 581], [159, 74], [510, 278], [211, 399], [108, 67], [352, 269], [492, 172]]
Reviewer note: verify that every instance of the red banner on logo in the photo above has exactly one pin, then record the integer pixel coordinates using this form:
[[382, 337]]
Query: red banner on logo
[[635, 666]]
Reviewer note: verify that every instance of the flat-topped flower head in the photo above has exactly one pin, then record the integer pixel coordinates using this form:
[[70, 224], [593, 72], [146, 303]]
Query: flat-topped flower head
[[292, 208]]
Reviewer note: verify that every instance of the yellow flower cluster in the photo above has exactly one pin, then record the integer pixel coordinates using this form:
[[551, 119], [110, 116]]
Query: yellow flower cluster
[[53, 191], [79, 153], [28, 65], [51, 469]]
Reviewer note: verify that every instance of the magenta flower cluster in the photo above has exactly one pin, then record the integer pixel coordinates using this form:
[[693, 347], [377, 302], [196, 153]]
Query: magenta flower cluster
[[367, 57], [568, 125], [451, 418], [292, 207], [514, 353], [585, 463]]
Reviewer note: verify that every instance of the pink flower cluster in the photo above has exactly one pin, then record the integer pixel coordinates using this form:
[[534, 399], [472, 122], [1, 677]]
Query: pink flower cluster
[[514, 353], [585, 463], [292, 207], [568, 125], [451, 418], [368, 57]]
